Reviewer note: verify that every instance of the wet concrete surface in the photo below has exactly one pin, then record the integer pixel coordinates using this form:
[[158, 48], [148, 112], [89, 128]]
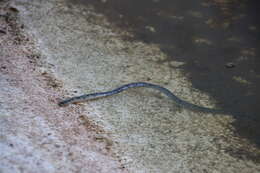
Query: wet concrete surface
[[93, 46], [206, 36]]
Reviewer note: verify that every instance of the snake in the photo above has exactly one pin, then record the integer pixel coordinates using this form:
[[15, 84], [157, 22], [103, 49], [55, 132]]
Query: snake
[[122, 88]]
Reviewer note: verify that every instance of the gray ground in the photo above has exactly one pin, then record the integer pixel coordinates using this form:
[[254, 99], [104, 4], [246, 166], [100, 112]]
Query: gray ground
[[55, 51]]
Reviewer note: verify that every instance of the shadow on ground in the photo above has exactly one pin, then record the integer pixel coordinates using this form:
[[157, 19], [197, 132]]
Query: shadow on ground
[[216, 40]]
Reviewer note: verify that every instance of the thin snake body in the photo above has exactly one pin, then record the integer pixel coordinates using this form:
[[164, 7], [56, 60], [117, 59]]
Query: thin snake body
[[165, 91]]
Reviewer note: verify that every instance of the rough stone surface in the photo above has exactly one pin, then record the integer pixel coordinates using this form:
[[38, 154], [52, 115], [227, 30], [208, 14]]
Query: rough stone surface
[[35, 134], [137, 131]]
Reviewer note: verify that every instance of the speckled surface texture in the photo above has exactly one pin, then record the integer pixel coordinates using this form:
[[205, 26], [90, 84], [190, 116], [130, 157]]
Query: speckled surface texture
[[35, 134], [70, 49]]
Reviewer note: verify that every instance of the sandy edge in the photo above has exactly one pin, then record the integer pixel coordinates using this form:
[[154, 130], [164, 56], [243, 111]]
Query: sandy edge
[[36, 134]]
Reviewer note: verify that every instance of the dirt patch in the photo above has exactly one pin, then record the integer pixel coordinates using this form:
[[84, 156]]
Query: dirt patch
[[36, 134]]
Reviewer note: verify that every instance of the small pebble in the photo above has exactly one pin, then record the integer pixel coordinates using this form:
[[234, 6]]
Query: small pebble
[[14, 9], [230, 65]]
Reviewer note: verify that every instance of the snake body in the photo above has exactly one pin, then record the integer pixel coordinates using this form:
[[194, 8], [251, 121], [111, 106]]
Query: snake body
[[165, 91]]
